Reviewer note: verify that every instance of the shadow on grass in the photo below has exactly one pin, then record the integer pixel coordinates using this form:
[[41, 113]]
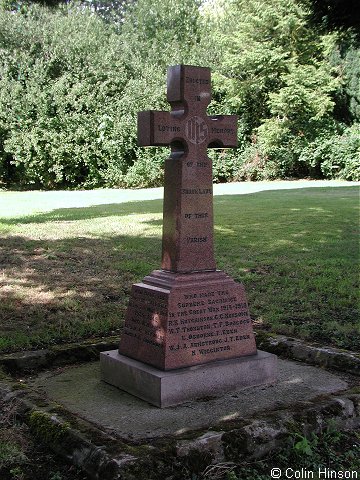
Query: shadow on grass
[[62, 290], [296, 252]]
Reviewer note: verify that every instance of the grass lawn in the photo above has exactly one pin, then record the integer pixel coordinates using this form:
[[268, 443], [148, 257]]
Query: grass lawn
[[66, 274]]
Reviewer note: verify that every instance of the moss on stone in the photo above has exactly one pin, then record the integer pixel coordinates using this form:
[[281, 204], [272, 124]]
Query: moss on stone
[[19, 386], [44, 426], [355, 390]]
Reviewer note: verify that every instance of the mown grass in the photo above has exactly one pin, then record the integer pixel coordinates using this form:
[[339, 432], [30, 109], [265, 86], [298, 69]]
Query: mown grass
[[66, 274]]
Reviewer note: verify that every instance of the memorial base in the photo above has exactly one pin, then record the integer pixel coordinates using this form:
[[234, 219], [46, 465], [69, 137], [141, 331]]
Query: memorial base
[[176, 320], [167, 388]]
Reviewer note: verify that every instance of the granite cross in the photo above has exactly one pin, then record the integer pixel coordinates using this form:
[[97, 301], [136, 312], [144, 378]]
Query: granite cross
[[187, 313], [188, 204]]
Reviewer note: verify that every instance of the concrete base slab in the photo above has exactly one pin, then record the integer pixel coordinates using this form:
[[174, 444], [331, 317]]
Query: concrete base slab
[[168, 388], [80, 391]]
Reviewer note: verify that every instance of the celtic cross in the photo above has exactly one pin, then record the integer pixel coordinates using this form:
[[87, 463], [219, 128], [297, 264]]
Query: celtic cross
[[188, 190]]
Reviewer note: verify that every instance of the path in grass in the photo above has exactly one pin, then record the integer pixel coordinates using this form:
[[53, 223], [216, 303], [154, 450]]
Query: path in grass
[[67, 272]]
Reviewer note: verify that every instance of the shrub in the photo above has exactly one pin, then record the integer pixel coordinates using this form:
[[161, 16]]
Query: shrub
[[338, 156]]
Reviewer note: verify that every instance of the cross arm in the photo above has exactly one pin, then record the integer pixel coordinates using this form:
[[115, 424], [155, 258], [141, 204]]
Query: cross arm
[[157, 128], [222, 131]]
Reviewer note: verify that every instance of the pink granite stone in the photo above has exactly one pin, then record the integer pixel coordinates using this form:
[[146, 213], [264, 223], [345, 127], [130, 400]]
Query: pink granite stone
[[176, 320], [188, 313], [188, 197]]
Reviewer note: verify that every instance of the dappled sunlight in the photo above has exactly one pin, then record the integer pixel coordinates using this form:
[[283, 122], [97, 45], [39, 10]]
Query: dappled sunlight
[[76, 265], [320, 210], [30, 295], [294, 380], [223, 229], [281, 242], [159, 331], [55, 285], [258, 322], [128, 225], [300, 234], [231, 416], [20, 287], [181, 431]]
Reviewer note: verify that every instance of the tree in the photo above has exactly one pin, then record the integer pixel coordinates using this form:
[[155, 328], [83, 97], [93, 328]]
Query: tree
[[276, 75], [71, 86], [336, 14]]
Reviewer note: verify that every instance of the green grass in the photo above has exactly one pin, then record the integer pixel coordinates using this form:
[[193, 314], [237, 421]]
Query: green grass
[[331, 451], [66, 273]]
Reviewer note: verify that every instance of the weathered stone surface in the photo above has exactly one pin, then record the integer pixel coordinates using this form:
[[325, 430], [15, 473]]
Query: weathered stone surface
[[210, 442], [25, 361], [109, 455], [188, 210], [262, 436], [167, 388], [328, 357], [176, 320], [188, 313], [80, 390], [56, 355]]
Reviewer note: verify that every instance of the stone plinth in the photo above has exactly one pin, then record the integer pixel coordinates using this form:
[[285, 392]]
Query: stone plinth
[[188, 314], [164, 389], [176, 320]]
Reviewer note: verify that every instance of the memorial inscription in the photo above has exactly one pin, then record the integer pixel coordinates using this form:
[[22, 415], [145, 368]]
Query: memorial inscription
[[187, 313], [183, 326]]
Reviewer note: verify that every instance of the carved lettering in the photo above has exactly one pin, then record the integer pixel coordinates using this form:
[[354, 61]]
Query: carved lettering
[[223, 130], [201, 81], [196, 191], [214, 350], [196, 216], [168, 128], [196, 239], [202, 317]]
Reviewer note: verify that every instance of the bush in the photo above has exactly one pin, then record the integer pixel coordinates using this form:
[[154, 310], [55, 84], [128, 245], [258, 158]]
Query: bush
[[337, 156], [70, 89], [60, 80], [71, 85]]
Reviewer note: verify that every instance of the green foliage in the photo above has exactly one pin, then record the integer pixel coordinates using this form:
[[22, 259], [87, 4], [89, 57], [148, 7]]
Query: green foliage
[[71, 85], [263, 40], [10, 453], [338, 156], [304, 446], [332, 450], [278, 74], [352, 80], [71, 88], [296, 245], [44, 426], [60, 77]]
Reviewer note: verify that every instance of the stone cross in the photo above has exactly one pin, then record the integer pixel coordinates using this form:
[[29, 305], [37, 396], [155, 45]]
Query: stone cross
[[187, 314], [189, 131]]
